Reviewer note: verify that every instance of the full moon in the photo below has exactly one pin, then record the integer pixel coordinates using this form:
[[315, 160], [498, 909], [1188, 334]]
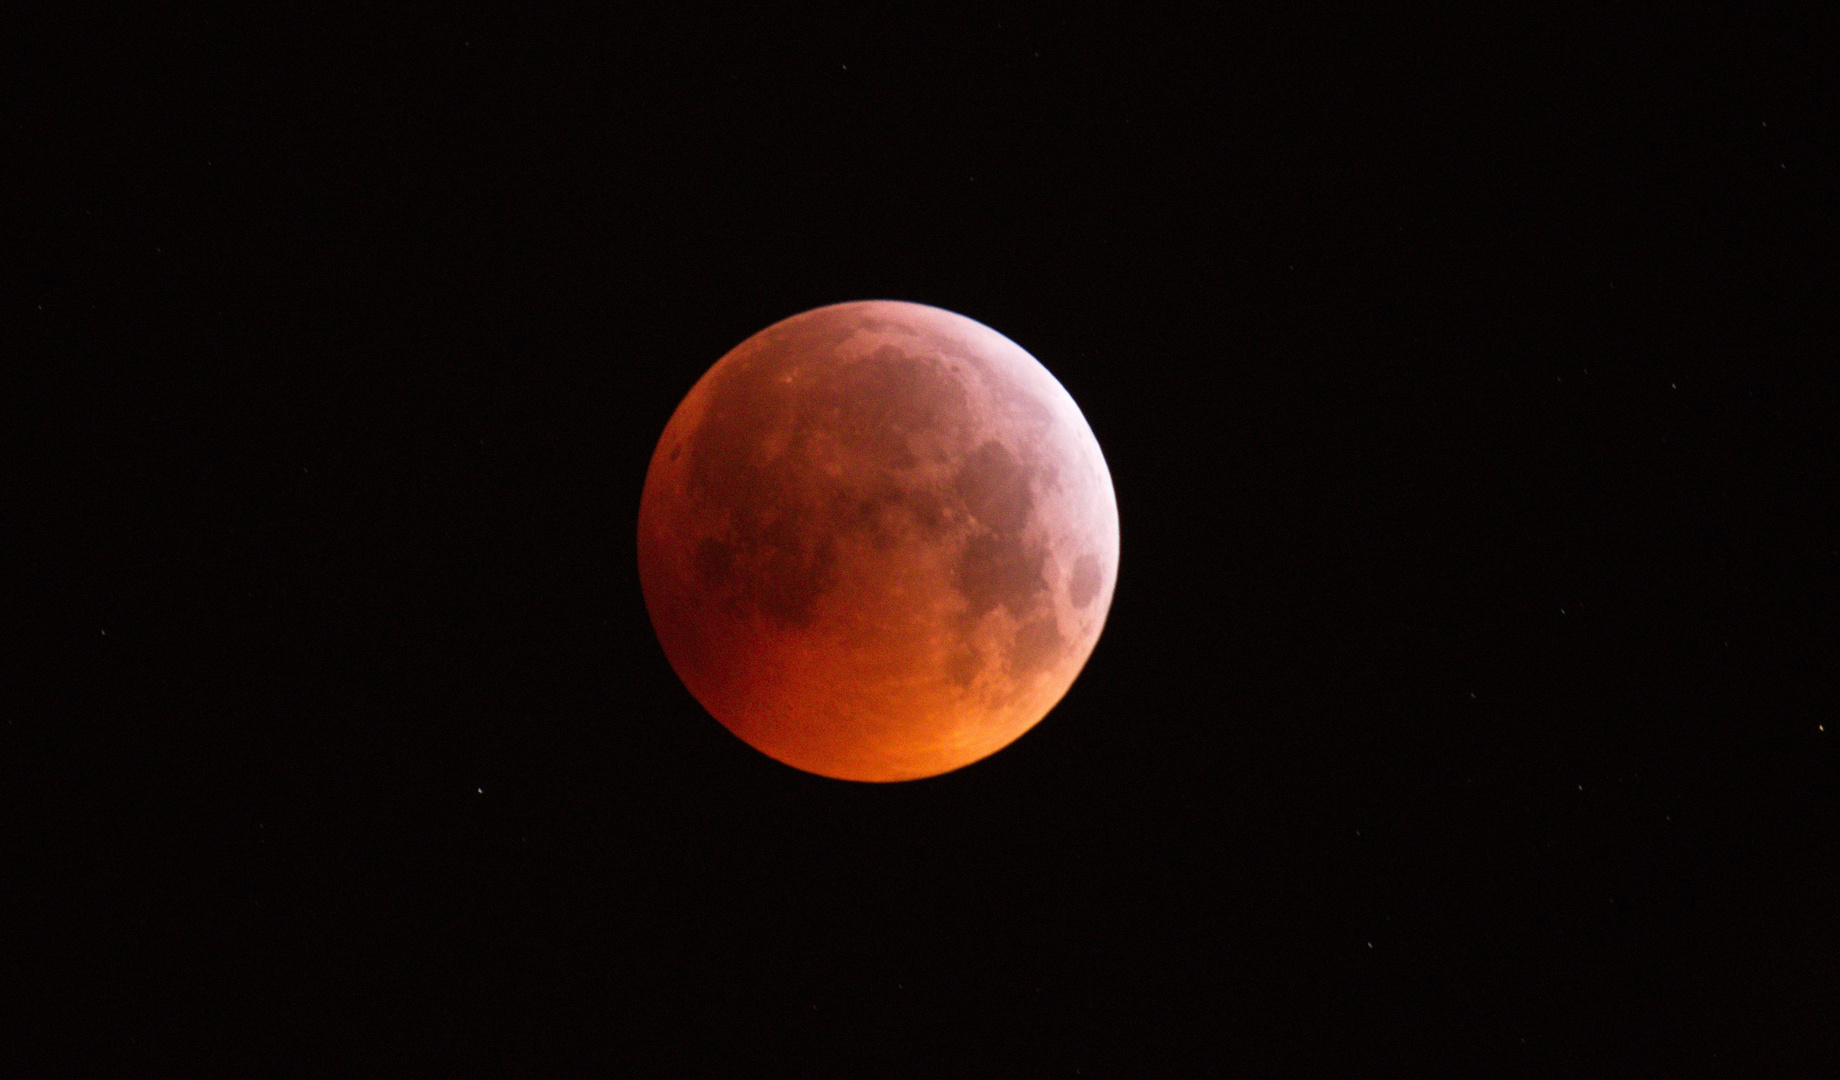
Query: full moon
[[878, 541]]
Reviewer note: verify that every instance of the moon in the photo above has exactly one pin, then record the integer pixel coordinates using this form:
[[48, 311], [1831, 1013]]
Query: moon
[[878, 541]]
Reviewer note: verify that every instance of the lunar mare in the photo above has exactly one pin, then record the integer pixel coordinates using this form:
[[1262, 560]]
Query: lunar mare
[[878, 541]]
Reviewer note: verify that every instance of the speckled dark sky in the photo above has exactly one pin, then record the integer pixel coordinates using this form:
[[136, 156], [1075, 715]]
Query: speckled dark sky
[[1463, 707]]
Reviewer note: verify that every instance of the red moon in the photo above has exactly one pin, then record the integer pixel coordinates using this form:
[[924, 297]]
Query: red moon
[[878, 541]]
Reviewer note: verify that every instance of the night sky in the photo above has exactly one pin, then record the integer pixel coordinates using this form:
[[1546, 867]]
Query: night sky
[[1469, 404]]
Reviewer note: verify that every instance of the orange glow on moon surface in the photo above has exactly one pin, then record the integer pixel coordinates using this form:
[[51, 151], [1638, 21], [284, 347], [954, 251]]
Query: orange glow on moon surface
[[878, 541]]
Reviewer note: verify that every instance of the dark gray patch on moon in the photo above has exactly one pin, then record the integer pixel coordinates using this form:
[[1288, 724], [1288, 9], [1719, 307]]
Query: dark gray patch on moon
[[998, 566], [891, 515], [786, 579], [715, 562], [1037, 646], [995, 488], [790, 409], [793, 577], [963, 666], [881, 403], [1084, 583], [998, 570]]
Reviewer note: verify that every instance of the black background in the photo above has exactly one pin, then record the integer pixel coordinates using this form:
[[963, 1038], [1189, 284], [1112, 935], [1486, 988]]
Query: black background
[[1461, 702]]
